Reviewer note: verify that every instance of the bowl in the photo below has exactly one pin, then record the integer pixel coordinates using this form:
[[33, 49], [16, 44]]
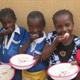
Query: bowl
[[22, 61], [63, 71], [6, 72]]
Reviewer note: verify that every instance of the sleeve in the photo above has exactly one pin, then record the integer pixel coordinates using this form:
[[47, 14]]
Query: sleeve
[[1, 45], [39, 48], [77, 42], [1, 30], [25, 36], [51, 37]]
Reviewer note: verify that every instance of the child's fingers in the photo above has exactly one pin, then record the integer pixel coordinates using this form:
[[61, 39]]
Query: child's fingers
[[74, 62], [61, 38], [37, 58]]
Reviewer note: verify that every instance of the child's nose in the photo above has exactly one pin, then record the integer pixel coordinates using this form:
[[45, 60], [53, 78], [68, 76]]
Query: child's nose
[[7, 25], [35, 31], [64, 29]]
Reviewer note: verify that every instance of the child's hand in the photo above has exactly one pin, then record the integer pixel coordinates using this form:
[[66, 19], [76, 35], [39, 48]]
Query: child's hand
[[21, 50], [62, 38], [37, 58], [24, 47], [74, 63], [33, 37], [6, 32]]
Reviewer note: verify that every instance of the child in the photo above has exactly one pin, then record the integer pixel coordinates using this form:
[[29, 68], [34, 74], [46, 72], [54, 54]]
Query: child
[[36, 24], [12, 37], [61, 48]]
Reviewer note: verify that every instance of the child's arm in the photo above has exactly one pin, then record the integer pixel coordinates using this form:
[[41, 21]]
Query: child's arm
[[24, 47], [77, 57], [49, 48], [47, 51]]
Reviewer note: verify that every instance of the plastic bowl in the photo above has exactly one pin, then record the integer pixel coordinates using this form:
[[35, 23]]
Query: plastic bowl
[[22, 61], [6, 72], [63, 71]]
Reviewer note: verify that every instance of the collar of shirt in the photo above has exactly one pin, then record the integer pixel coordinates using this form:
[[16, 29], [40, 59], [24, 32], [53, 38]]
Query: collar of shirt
[[8, 43], [37, 41], [17, 29]]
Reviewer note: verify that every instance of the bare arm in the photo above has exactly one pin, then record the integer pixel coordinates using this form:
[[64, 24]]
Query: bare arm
[[48, 50], [24, 47]]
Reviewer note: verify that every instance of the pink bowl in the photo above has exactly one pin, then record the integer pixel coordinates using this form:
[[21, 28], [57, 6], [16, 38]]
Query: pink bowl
[[22, 61], [63, 71], [4, 72]]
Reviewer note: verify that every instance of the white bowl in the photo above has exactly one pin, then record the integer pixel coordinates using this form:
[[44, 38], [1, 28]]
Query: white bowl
[[63, 71], [22, 61], [6, 72]]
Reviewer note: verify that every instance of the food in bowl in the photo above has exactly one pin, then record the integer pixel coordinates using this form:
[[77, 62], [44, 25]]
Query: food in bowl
[[6, 72], [22, 61], [66, 35], [63, 71]]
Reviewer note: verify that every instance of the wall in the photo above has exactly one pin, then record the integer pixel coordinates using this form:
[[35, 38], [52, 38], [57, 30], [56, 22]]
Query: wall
[[47, 7]]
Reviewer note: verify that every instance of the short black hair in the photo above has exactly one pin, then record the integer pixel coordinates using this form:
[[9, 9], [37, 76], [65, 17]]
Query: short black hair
[[35, 14], [7, 12], [61, 12]]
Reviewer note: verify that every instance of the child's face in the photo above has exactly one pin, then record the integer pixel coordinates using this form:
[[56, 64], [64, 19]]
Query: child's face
[[36, 28], [64, 24], [8, 22]]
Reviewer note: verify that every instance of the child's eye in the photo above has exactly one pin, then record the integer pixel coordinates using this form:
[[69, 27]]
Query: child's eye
[[67, 25], [59, 26]]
